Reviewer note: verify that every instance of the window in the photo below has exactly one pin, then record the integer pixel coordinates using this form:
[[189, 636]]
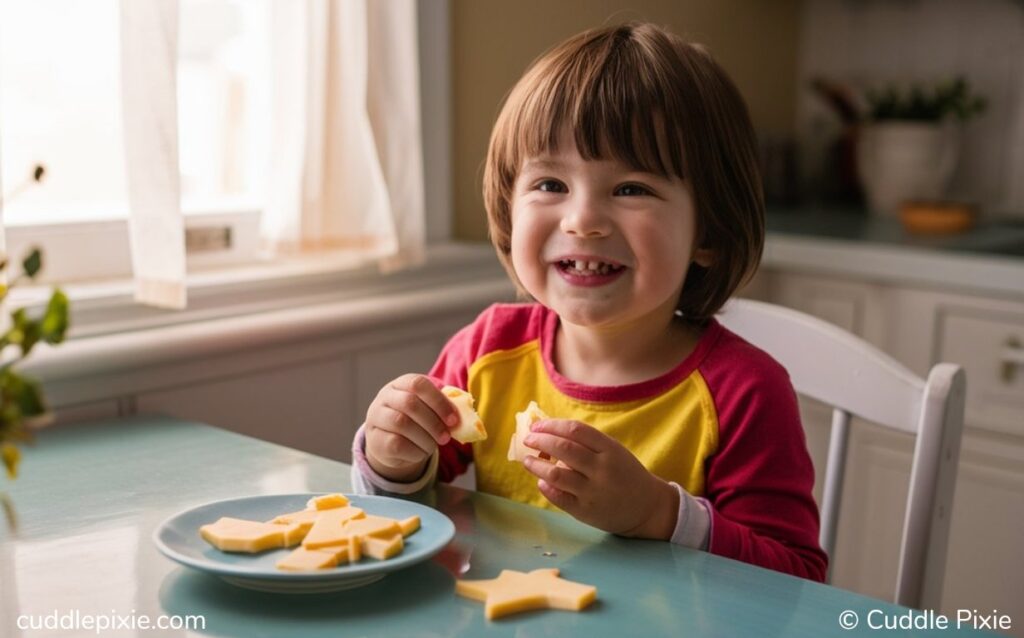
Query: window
[[59, 77], [60, 107]]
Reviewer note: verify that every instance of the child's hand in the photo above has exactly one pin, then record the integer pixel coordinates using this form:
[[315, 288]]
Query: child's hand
[[600, 482], [405, 423]]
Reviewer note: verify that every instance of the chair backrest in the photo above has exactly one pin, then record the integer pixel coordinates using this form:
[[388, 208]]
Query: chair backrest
[[842, 370]]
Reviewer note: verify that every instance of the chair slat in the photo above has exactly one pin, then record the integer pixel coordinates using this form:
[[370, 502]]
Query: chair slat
[[832, 492]]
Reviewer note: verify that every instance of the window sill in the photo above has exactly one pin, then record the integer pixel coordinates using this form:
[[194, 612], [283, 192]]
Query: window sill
[[108, 308]]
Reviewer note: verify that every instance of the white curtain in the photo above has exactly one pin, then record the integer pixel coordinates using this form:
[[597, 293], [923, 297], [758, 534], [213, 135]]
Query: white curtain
[[346, 150], [346, 167], [149, 52]]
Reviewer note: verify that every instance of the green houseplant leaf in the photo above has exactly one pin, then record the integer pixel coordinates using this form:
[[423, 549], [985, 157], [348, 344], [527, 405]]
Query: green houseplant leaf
[[33, 263], [54, 324]]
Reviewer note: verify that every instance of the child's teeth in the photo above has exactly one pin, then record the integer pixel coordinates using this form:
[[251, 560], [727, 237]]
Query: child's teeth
[[594, 264], [580, 265]]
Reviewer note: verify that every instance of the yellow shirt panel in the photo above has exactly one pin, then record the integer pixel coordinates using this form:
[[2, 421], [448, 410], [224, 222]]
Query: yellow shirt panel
[[671, 434]]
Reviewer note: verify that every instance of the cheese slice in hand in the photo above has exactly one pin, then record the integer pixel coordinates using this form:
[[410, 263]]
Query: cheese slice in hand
[[470, 427], [517, 450]]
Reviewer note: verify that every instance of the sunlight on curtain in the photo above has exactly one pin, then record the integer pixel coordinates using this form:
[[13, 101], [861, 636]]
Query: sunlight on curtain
[[347, 168]]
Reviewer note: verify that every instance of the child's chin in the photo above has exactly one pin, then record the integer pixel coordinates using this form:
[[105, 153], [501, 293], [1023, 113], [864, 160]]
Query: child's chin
[[587, 315]]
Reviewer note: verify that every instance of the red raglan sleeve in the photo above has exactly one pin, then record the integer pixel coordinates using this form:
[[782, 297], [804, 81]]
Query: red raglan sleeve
[[759, 481]]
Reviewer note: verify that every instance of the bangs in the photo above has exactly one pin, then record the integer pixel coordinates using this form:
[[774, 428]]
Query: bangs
[[612, 96]]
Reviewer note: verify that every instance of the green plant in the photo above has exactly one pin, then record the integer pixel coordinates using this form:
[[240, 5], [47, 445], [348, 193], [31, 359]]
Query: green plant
[[22, 405], [947, 98]]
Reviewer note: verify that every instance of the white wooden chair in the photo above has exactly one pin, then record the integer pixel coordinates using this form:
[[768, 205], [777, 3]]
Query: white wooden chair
[[835, 367]]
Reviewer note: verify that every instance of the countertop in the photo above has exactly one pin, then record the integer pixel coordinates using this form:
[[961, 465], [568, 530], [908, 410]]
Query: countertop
[[989, 259]]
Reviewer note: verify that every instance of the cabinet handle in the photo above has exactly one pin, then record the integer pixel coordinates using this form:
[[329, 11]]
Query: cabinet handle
[[1012, 357]]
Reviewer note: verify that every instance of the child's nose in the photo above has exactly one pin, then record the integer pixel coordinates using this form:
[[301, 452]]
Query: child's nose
[[585, 219]]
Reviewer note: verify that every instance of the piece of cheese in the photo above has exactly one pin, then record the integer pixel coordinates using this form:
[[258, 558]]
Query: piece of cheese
[[517, 450], [329, 528], [369, 525], [294, 533], [327, 502], [382, 548], [409, 525], [331, 534], [302, 559], [239, 535], [303, 518], [513, 591], [470, 427]]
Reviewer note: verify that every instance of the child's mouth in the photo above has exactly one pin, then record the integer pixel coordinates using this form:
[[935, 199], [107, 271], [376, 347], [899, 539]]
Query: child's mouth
[[581, 273]]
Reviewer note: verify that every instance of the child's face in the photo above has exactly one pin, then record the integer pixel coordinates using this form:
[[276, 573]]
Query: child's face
[[569, 212]]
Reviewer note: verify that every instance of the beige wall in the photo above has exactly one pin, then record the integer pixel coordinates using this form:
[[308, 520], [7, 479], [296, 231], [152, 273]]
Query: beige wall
[[493, 41]]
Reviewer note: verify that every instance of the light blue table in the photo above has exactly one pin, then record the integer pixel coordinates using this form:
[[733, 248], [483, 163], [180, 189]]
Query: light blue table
[[90, 496]]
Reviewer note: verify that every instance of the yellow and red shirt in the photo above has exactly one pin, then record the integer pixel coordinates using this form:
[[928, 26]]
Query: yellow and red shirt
[[723, 424]]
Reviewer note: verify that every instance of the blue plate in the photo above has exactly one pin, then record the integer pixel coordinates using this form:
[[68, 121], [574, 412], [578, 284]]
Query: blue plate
[[178, 539]]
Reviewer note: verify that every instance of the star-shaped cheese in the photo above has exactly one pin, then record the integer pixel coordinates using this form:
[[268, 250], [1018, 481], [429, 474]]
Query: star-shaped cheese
[[470, 427], [512, 592]]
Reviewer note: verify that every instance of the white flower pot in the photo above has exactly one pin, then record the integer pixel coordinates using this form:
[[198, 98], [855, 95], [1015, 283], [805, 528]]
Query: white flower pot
[[901, 160]]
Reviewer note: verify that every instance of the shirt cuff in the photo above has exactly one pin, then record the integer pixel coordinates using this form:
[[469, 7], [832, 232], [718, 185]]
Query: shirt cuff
[[693, 524], [366, 481]]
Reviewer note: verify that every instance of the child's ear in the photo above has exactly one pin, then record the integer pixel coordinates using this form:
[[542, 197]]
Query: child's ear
[[703, 257]]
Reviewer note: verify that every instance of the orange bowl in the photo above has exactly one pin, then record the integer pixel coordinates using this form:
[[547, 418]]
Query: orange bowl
[[937, 218]]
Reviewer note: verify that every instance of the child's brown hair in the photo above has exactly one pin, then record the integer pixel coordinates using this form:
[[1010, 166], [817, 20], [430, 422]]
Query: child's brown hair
[[640, 94]]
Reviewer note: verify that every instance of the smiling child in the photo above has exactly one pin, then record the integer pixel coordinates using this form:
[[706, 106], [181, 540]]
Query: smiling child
[[623, 198]]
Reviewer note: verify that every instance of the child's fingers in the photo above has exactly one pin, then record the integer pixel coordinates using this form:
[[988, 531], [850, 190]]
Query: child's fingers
[[400, 424], [393, 447], [560, 498], [430, 394], [419, 412], [560, 476], [580, 458], [576, 431]]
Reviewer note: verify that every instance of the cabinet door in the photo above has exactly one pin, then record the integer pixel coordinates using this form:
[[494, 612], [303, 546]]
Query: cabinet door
[[307, 407], [990, 347], [856, 307], [985, 564]]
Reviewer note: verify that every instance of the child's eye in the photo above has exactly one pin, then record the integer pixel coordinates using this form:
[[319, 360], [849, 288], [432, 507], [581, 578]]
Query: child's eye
[[632, 190], [551, 186]]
